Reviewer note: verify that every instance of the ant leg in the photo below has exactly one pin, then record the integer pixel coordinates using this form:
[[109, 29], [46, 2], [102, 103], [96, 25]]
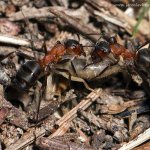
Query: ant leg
[[72, 65], [78, 79], [60, 71], [31, 35], [101, 73], [88, 65], [101, 35], [43, 87], [19, 53], [127, 76]]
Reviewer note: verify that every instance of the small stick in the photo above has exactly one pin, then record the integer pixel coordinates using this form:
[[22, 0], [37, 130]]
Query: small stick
[[61, 130], [14, 40], [31, 13], [139, 140]]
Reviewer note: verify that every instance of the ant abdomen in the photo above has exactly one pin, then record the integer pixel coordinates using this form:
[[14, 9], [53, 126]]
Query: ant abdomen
[[27, 75]]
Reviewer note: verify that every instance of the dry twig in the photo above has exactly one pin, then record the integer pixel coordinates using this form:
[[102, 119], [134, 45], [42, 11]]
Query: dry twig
[[31, 13], [139, 140], [14, 40]]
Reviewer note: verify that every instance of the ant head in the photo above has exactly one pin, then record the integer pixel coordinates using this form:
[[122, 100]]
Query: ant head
[[74, 47], [101, 50], [102, 46], [143, 57], [112, 40], [72, 44]]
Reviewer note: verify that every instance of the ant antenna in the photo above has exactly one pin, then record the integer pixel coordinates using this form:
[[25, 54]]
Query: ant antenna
[[78, 35], [101, 35]]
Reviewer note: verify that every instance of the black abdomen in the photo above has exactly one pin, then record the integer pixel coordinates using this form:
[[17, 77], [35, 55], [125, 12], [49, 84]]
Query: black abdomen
[[27, 75]]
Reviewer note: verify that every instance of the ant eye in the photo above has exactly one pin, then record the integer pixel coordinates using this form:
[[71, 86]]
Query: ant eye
[[71, 43], [105, 50], [73, 46], [58, 42], [112, 40]]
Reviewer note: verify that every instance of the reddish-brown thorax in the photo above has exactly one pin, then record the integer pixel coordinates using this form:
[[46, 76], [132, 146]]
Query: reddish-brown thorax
[[119, 50], [53, 56]]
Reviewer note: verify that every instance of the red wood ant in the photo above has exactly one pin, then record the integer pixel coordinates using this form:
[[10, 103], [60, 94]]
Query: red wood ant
[[140, 58], [29, 72], [104, 48], [71, 47]]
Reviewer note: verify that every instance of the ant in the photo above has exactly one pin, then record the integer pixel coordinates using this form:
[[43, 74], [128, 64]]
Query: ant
[[71, 47], [29, 72], [104, 48], [140, 57]]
